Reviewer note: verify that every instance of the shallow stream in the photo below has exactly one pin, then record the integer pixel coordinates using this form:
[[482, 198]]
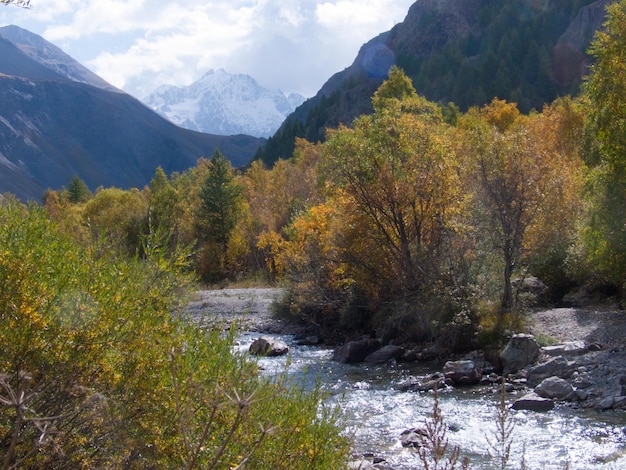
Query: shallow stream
[[376, 412]]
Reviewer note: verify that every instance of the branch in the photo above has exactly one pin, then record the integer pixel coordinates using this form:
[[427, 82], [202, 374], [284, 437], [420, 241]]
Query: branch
[[17, 3]]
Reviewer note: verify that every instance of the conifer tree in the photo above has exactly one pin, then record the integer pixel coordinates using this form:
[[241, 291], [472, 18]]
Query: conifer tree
[[78, 190]]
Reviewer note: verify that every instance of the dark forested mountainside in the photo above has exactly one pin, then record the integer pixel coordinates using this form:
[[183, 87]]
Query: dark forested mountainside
[[53, 127], [461, 51]]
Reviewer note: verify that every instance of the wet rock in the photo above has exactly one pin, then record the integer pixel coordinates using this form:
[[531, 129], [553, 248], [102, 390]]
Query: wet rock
[[355, 351], [606, 403], [369, 463], [462, 372], [570, 348], [310, 341], [384, 354], [556, 367], [580, 395], [554, 387], [435, 381], [619, 402], [533, 402], [521, 351], [412, 437], [265, 346], [582, 381]]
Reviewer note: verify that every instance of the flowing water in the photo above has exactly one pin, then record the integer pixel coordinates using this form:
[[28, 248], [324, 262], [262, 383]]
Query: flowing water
[[376, 412]]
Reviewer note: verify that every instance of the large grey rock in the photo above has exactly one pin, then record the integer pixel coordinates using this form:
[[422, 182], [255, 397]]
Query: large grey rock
[[533, 402], [356, 351], [570, 348], [556, 367], [266, 346], [463, 372], [521, 351], [384, 354], [554, 387]]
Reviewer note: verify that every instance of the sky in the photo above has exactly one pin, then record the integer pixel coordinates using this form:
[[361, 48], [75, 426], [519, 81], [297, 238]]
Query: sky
[[138, 45]]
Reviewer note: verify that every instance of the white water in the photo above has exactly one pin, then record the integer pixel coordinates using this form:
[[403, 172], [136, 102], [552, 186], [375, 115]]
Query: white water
[[376, 412]]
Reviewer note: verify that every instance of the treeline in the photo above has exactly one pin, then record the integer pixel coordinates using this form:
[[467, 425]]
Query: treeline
[[418, 219]]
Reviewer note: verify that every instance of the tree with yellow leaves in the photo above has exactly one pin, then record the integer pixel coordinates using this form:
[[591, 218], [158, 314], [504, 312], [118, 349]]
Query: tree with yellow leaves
[[520, 181]]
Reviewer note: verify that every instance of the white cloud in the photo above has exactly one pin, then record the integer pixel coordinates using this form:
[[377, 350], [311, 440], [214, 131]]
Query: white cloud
[[137, 45]]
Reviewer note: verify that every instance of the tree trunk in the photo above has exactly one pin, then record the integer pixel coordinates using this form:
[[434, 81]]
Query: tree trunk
[[507, 294]]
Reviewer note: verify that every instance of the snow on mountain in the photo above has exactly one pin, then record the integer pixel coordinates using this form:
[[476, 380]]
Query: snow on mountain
[[224, 104]]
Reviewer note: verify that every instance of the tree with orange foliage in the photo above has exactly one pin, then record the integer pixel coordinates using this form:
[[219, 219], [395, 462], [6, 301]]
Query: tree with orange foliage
[[397, 177], [520, 178]]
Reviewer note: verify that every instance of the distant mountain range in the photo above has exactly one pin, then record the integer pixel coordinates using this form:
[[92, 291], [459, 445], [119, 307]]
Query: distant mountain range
[[224, 104], [461, 51], [58, 119]]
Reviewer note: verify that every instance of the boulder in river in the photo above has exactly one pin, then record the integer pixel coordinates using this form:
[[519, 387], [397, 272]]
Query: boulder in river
[[265, 346], [533, 402], [556, 367], [355, 351], [554, 387], [521, 351], [384, 354], [413, 437], [463, 372]]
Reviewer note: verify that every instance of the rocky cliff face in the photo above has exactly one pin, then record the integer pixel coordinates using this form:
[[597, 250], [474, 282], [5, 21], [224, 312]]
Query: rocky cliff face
[[431, 24], [464, 51]]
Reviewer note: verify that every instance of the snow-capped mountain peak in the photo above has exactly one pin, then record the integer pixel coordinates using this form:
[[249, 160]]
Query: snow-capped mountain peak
[[226, 104]]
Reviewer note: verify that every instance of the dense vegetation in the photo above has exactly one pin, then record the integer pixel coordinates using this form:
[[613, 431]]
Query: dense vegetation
[[97, 371], [466, 53], [512, 55], [418, 221]]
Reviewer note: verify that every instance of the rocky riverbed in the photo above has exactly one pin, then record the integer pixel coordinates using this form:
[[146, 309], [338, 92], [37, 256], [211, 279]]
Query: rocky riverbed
[[598, 368], [594, 366]]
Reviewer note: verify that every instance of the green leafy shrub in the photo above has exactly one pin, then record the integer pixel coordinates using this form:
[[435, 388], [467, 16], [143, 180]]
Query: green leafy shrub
[[97, 372]]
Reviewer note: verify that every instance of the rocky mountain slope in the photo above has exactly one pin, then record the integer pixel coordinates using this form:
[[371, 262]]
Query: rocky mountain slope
[[224, 104], [58, 120], [461, 51]]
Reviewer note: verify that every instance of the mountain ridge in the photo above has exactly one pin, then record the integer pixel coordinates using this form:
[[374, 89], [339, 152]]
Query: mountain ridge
[[53, 127], [461, 51], [222, 103]]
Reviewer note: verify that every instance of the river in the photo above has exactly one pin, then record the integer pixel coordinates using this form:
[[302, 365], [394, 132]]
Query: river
[[376, 412]]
